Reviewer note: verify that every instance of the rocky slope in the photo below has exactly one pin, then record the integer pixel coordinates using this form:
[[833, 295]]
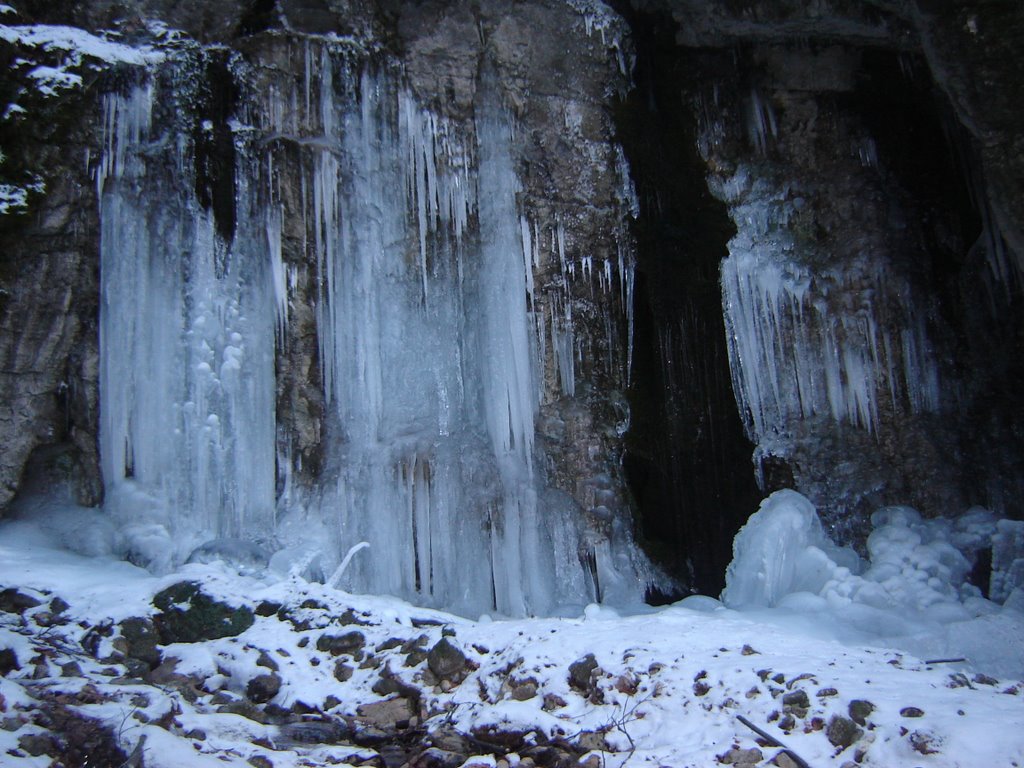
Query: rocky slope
[[103, 664]]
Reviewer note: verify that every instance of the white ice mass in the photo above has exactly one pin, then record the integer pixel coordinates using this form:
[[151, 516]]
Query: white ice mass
[[432, 347], [911, 592]]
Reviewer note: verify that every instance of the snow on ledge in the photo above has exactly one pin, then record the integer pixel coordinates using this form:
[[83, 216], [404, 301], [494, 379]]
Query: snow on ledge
[[78, 41]]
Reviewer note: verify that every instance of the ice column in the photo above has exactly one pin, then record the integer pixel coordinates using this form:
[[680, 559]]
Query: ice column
[[391, 201], [828, 345], [430, 356], [187, 351]]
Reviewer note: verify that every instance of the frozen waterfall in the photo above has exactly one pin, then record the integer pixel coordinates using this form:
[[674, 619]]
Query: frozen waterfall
[[430, 344], [836, 345], [187, 351]]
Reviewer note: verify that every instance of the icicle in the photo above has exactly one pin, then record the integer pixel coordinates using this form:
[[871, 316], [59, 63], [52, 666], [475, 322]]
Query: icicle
[[527, 255], [794, 355], [187, 353], [761, 126], [274, 216]]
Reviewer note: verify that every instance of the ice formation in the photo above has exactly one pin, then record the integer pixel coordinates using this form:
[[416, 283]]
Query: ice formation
[[432, 344], [913, 590], [827, 345], [187, 361]]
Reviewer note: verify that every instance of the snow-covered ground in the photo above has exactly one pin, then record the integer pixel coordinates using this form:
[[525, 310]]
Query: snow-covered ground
[[666, 688]]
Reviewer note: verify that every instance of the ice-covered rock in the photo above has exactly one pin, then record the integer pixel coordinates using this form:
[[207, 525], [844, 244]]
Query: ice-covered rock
[[912, 592], [1007, 559], [781, 550]]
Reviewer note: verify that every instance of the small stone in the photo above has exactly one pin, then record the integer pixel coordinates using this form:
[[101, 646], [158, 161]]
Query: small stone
[[748, 651], [244, 709], [626, 684], [266, 609], [783, 760], [416, 643], [331, 702], [140, 640], [859, 710], [925, 743], [450, 740], [58, 606], [445, 660], [263, 688], [349, 643], [13, 601], [590, 741], [826, 692], [71, 669], [525, 691], [432, 757], [796, 702], [912, 712], [415, 658], [580, 673], [387, 645], [553, 701], [387, 714], [8, 661], [787, 723], [343, 672], [742, 757], [259, 761], [265, 660], [842, 732], [37, 744]]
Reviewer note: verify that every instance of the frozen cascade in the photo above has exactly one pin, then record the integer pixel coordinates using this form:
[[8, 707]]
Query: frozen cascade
[[795, 356], [432, 339], [432, 355], [187, 352]]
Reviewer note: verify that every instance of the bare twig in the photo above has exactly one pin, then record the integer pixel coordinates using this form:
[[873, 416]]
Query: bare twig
[[945, 661], [136, 758], [774, 742]]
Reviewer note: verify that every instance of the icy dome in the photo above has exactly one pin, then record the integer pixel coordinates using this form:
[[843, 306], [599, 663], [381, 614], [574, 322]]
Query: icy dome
[[911, 592]]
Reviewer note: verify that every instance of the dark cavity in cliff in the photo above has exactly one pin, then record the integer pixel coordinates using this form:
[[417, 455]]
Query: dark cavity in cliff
[[687, 460]]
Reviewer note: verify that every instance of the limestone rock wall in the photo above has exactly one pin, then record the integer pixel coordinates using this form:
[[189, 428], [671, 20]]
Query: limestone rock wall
[[869, 161]]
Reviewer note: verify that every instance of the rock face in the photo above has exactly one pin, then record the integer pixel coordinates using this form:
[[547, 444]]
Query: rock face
[[240, 143], [819, 266], [866, 261]]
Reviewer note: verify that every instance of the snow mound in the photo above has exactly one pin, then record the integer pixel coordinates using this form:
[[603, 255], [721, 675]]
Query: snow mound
[[912, 592]]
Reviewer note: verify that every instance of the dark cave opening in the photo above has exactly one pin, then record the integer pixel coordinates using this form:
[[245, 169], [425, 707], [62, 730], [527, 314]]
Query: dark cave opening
[[687, 460]]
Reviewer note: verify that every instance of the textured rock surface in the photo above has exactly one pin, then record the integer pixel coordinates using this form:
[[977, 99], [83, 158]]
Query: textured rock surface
[[842, 108], [852, 141], [48, 304]]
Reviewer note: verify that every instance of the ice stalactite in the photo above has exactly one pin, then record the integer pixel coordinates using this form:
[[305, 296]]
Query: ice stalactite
[[431, 337], [187, 350], [828, 346], [431, 351]]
